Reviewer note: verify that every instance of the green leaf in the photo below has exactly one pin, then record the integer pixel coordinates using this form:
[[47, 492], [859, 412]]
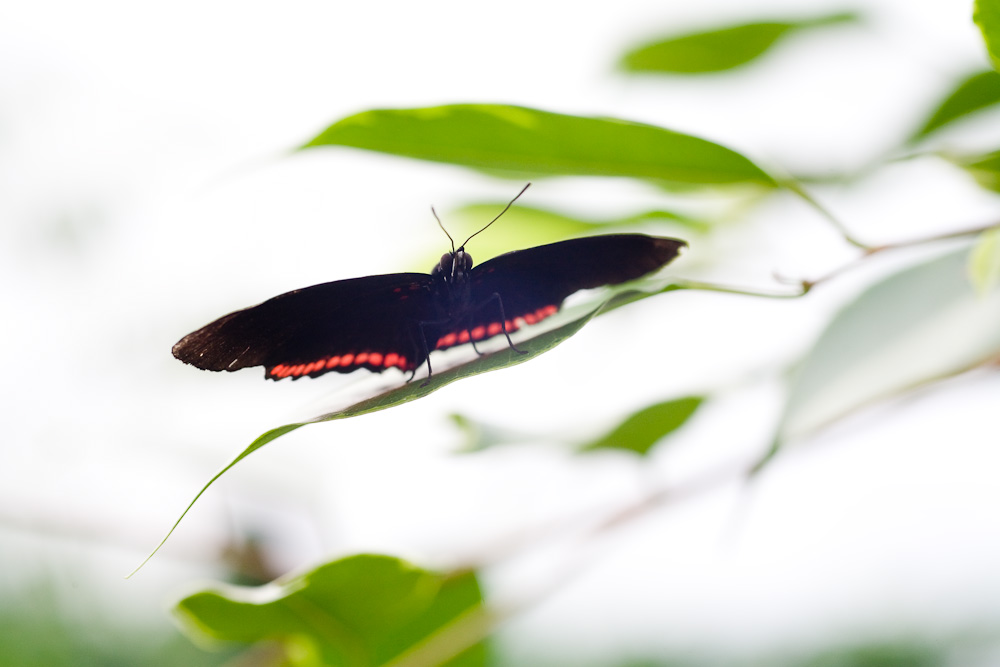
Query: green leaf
[[984, 262], [525, 227], [579, 316], [643, 429], [985, 169], [521, 141], [637, 433], [976, 92], [918, 325], [987, 17], [718, 50], [481, 435], [354, 612]]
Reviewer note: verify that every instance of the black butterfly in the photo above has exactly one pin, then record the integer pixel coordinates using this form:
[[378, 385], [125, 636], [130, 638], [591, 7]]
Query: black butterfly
[[396, 320]]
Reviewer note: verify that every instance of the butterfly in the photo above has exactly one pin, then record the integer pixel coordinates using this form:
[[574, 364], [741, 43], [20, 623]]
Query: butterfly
[[396, 320]]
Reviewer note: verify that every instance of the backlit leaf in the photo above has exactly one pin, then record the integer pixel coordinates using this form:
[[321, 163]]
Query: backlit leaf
[[718, 50], [976, 92], [987, 17], [523, 142], [359, 611], [643, 429], [525, 226], [984, 168]]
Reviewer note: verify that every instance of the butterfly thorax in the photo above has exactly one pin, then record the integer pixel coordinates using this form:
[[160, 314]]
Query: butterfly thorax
[[451, 283]]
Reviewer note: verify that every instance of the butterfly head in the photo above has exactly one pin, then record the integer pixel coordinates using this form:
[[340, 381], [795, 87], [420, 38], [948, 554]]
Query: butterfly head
[[454, 265]]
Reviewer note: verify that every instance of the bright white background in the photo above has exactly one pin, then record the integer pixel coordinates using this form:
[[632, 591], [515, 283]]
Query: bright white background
[[146, 187]]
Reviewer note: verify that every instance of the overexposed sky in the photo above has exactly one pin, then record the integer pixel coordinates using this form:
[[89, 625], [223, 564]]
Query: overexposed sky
[[146, 188]]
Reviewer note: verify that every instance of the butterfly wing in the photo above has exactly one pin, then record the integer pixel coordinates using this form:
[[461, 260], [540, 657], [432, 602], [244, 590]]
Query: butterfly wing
[[333, 327], [533, 283]]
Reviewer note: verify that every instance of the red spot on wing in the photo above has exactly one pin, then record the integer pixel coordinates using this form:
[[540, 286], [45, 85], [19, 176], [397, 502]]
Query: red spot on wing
[[381, 360], [447, 340], [374, 360]]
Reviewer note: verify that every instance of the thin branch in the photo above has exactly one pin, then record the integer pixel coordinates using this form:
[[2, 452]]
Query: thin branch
[[796, 187]]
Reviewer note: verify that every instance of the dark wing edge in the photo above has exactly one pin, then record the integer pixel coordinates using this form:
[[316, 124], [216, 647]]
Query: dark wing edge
[[347, 319]]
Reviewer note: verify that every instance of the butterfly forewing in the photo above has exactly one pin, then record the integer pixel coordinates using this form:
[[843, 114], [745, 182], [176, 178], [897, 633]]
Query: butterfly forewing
[[333, 327]]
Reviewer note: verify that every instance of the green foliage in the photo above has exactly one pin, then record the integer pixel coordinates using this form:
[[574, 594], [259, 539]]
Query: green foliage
[[526, 226], [520, 141], [354, 612], [718, 50], [637, 433], [984, 168], [987, 17], [643, 429], [978, 91]]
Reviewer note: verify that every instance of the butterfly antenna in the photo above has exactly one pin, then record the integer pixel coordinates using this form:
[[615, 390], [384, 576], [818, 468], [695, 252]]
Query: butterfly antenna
[[501, 212], [441, 225]]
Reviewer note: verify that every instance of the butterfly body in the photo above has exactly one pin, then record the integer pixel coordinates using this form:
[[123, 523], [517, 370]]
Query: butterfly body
[[397, 320]]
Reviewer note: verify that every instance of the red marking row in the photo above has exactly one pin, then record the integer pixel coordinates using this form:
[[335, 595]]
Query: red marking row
[[493, 328], [376, 359]]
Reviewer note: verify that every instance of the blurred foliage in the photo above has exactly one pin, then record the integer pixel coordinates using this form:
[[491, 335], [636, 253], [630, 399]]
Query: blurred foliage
[[987, 17], [979, 91], [637, 433], [876, 345], [357, 611], [39, 628], [984, 262], [643, 429], [721, 49]]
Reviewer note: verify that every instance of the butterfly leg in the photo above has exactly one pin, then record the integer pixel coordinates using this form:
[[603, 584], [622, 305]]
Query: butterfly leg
[[427, 354], [503, 322]]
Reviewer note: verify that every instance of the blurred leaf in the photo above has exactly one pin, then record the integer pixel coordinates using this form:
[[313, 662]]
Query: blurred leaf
[[621, 295], [357, 611], [643, 429], [522, 141], [480, 435], [979, 91], [525, 227], [987, 17], [68, 620], [718, 50], [984, 262], [918, 325], [637, 433], [984, 168]]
